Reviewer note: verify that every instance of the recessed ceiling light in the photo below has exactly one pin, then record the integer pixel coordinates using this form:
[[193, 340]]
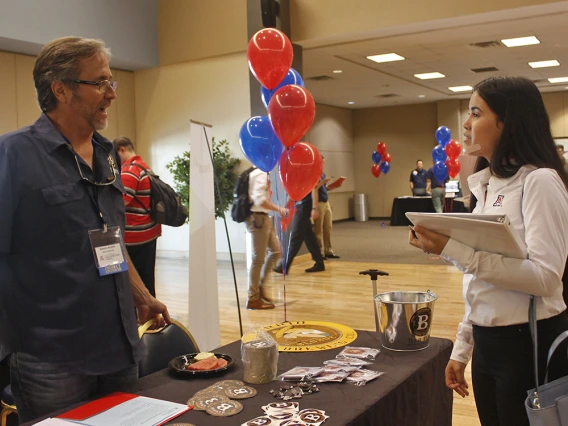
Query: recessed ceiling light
[[429, 75], [387, 57], [461, 88], [558, 80], [520, 41], [351, 103], [544, 64], [337, 71], [421, 96]]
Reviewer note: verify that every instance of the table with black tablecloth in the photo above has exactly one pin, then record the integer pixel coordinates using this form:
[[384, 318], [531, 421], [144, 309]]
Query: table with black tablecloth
[[412, 392], [402, 205]]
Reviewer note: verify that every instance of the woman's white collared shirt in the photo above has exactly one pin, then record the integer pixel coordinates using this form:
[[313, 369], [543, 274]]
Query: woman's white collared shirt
[[495, 288]]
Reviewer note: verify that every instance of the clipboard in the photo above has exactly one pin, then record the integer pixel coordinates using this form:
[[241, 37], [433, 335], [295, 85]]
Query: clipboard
[[490, 233]]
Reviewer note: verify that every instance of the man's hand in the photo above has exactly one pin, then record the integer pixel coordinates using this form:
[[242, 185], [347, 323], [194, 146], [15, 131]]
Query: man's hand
[[152, 308], [315, 214], [455, 378], [427, 241]]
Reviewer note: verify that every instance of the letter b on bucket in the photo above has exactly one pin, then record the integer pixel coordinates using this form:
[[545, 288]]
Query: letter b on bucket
[[405, 319]]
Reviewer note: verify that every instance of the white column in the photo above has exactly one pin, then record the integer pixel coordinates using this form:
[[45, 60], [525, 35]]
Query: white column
[[203, 306]]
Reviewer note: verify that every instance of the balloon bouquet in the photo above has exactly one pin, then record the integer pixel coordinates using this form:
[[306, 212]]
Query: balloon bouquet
[[445, 155], [291, 112], [382, 160]]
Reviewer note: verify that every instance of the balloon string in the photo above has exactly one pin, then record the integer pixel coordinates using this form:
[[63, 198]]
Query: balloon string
[[286, 253]]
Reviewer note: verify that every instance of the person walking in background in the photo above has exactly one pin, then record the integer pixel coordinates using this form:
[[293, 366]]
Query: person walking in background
[[302, 231], [141, 232], [518, 173], [323, 224], [69, 294], [418, 179], [436, 189], [560, 149], [264, 238]]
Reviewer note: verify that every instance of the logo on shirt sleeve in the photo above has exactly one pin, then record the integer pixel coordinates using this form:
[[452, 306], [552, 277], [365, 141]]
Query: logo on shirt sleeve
[[499, 201]]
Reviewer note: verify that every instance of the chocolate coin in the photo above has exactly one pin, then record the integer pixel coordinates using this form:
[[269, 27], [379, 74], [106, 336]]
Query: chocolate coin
[[202, 401], [224, 409], [260, 421], [242, 392]]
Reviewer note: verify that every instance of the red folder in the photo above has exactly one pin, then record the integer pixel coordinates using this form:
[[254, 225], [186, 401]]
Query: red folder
[[336, 183], [98, 406]]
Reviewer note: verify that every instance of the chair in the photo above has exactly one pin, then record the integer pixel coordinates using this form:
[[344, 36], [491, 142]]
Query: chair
[[163, 345], [8, 405]]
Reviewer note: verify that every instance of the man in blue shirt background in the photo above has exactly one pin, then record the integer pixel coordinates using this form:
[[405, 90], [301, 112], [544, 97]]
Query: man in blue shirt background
[[418, 179]]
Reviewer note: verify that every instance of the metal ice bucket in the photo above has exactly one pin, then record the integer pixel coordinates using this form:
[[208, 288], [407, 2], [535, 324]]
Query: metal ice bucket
[[405, 319]]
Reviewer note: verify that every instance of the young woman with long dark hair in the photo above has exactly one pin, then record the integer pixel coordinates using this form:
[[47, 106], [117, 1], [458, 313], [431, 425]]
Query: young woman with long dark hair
[[518, 173]]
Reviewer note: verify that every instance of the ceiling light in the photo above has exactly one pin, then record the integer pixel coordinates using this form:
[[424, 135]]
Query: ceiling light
[[429, 75], [337, 71], [421, 96], [520, 41], [461, 88], [351, 103], [387, 57], [558, 80], [544, 64]]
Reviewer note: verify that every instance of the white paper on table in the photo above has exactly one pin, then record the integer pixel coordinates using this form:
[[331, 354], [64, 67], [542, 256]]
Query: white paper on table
[[53, 422], [490, 233]]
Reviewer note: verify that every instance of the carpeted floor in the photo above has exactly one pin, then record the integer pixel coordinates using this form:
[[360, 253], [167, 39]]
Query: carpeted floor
[[372, 242]]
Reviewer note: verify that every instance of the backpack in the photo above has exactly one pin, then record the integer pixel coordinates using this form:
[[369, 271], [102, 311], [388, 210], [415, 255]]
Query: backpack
[[241, 201], [165, 205]]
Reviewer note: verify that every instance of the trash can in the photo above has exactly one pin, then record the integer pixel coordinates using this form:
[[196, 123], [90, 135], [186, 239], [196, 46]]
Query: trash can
[[361, 207]]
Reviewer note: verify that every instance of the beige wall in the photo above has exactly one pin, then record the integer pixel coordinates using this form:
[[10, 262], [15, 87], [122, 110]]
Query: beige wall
[[325, 19], [195, 29], [408, 132], [332, 134], [213, 91], [19, 108]]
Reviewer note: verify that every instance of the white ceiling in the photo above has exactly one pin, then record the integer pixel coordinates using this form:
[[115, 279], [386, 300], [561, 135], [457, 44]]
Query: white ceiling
[[442, 46]]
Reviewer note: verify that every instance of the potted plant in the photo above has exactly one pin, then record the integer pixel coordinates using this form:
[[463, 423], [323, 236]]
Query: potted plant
[[225, 177]]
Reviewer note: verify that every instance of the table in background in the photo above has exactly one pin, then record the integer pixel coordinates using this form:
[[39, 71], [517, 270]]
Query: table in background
[[402, 205], [412, 392]]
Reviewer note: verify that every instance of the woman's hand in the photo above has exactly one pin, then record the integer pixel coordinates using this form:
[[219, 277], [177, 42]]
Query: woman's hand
[[427, 241], [455, 378]]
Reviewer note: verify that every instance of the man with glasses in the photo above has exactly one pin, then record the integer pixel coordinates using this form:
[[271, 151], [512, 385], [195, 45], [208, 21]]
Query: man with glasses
[[141, 231], [69, 294]]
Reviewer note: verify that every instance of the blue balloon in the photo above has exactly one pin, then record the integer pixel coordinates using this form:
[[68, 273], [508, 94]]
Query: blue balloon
[[439, 154], [293, 77], [443, 135], [259, 143], [385, 167], [441, 171], [377, 157]]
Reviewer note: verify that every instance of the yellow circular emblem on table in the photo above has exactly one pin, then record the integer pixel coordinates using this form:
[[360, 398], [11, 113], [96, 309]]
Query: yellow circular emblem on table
[[310, 336]]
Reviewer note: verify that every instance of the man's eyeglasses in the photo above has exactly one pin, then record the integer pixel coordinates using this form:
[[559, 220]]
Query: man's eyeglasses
[[103, 85], [112, 165]]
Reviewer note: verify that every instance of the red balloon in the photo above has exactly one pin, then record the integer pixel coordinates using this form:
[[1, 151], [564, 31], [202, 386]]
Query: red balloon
[[454, 166], [300, 169], [453, 149], [291, 111], [376, 170], [269, 55], [382, 148], [387, 158], [286, 220]]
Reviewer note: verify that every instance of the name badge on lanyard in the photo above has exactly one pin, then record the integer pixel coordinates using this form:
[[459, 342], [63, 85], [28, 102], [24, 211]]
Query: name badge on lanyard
[[107, 243], [108, 249]]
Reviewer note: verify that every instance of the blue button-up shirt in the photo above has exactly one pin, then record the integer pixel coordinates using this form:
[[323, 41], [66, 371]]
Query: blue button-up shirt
[[53, 303]]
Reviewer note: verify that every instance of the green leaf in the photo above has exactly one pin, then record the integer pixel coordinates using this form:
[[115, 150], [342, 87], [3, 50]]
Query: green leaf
[[223, 166]]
